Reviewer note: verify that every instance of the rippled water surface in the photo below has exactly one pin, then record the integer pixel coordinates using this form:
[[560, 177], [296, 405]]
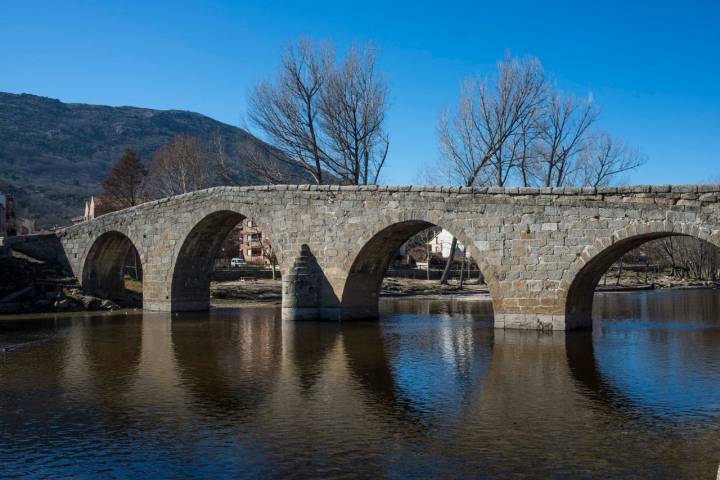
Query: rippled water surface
[[431, 390]]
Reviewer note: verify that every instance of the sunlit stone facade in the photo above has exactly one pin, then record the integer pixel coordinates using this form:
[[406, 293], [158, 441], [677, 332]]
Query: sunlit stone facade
[[541, 250]]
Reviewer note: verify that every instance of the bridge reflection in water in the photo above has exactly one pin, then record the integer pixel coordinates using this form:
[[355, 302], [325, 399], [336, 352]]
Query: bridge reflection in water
[[431, 389]]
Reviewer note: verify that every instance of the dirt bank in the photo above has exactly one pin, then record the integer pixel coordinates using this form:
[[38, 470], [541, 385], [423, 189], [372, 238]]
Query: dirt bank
[[637, 281], [28, 285], [269, 291]]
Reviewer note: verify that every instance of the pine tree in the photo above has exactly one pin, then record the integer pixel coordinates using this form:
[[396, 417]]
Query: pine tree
[[124, 185]]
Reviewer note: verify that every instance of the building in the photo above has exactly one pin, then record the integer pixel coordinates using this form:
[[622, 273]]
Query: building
[[10, 223], [442, 242], [93, 208], [246, 241], [253, 244]]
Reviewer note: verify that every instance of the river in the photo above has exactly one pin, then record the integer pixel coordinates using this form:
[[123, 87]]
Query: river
[[430, 390]]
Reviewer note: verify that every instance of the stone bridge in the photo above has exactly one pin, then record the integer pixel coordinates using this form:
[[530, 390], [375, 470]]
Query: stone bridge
[[541, 250]]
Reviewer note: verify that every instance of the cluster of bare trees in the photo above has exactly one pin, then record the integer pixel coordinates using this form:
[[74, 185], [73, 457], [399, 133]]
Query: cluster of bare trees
[[327, 116], [518, 128], [684, 257], [183, 165], [178, 167], [675, 258]]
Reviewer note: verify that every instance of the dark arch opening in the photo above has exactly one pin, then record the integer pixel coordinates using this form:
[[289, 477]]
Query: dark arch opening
[[361, 294], [580, 295], [193, 270], [113, 269], [226, 248]]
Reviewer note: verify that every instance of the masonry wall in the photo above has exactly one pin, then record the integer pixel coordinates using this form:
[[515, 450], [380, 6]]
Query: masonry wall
[[531, 244]]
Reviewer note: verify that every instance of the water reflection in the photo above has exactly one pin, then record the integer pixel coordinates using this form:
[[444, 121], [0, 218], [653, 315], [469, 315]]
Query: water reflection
[[430, 390], [660, 349], [227, 366]]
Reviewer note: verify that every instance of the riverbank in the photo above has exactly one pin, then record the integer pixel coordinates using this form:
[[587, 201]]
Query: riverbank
[[31, 287], [270, 291], [28, 286], [633, 281]]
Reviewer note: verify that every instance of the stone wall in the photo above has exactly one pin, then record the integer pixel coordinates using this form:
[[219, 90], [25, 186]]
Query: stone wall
[[539, 248]]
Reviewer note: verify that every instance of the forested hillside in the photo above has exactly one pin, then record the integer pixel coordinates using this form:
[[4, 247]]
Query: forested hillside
[[53, 155]]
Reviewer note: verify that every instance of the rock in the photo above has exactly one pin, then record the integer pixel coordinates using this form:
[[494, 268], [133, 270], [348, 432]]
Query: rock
[[108, 305], [90, 302]]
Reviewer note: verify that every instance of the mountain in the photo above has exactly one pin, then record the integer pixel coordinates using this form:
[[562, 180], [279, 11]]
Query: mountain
[[53, 155]]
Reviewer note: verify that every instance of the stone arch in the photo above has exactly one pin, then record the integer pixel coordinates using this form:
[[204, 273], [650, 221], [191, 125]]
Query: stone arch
[[581, 279], [367, 266], [193, 260], [102, 272]]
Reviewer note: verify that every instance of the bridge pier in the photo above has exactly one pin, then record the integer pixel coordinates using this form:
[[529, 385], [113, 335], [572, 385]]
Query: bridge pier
[[533, 321]]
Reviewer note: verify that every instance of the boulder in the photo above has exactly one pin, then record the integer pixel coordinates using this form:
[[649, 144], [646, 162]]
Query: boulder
[[90, 302], [108, 305]]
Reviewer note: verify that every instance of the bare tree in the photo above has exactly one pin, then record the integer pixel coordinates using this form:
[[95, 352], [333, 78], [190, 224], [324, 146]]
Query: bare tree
[[327, 118], [269, 253], [353, 114], [288, 110], [181, 166], [481, 142], [564, 128], [490, 114], [604, 158], [516, 127]]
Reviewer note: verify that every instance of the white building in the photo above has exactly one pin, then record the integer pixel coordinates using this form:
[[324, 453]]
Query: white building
[[442, 242]]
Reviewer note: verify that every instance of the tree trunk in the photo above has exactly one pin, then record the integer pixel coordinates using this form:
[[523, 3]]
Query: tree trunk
[[448, 264], [427, 268], [462, 272]]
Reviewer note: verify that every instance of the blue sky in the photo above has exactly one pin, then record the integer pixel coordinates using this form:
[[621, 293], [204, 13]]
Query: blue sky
[[653, 67]]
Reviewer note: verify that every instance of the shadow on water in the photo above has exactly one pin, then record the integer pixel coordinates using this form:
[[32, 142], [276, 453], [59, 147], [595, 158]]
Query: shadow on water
[[364, 347], [310, 343], [659, 351]]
